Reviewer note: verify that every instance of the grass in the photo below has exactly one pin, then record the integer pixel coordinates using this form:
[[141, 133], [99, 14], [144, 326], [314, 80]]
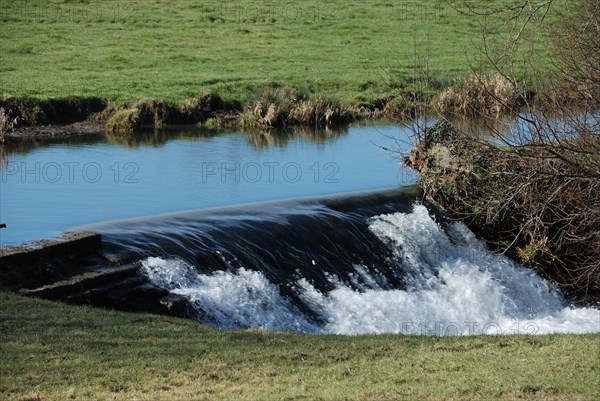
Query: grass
[[51, 351], [121, 51]]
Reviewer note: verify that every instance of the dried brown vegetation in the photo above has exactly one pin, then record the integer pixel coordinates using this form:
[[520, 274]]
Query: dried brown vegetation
[[540, 204], [7, 124], [288, 107], [478, 94]]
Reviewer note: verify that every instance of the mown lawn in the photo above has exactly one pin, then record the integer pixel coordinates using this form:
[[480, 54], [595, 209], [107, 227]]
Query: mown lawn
[[354, 50], [51, 351]]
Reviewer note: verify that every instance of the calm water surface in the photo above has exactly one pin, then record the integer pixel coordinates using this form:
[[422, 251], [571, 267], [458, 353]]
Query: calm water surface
[[47, 188]]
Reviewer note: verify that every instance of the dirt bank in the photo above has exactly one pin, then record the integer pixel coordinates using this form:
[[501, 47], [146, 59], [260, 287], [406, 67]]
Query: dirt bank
[[56, 131]]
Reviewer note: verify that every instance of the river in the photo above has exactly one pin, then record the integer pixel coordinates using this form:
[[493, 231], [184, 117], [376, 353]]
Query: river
[[306, 231]]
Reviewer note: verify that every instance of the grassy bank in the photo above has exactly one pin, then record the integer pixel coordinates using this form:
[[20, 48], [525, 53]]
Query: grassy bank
[[51, 351], [126, 51], [155, 63]]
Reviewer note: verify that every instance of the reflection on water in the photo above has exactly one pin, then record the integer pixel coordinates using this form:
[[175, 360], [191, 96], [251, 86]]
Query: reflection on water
[[483, 127], [158, 137], [31, 144], [526, 128], [50, 186], [280, 138]]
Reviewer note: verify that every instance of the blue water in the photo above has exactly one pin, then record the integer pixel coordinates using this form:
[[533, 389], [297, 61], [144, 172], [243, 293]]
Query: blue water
[[47, 189]]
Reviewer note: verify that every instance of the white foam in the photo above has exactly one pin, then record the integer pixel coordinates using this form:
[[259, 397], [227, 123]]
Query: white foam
[[229, 300], [453, 289]]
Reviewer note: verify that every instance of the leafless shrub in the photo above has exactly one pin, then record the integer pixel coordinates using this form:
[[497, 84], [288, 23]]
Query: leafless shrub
[[542, 209], [576, 59]]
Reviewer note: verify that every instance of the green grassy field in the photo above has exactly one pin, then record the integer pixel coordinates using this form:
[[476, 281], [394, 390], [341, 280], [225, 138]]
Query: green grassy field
[[356, 51], [50, 351]]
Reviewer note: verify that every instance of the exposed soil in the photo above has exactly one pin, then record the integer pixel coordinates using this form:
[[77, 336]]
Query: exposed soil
[[55, 131]]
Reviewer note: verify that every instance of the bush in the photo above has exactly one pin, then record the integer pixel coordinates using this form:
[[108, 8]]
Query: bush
[[478, 95], [319, 112], [532, 190], [288, 106], [400, 108], [539, 202], [200, 109], [272, 108]]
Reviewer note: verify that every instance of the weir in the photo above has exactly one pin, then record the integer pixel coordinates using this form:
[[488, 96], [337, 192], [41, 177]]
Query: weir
[[368, 263]]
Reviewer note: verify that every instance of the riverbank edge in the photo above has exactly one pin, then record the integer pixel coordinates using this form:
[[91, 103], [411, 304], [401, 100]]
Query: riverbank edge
[[62, 118]]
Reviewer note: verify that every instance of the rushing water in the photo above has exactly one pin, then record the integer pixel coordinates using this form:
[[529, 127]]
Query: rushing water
[[378, 264], [258, 240]]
